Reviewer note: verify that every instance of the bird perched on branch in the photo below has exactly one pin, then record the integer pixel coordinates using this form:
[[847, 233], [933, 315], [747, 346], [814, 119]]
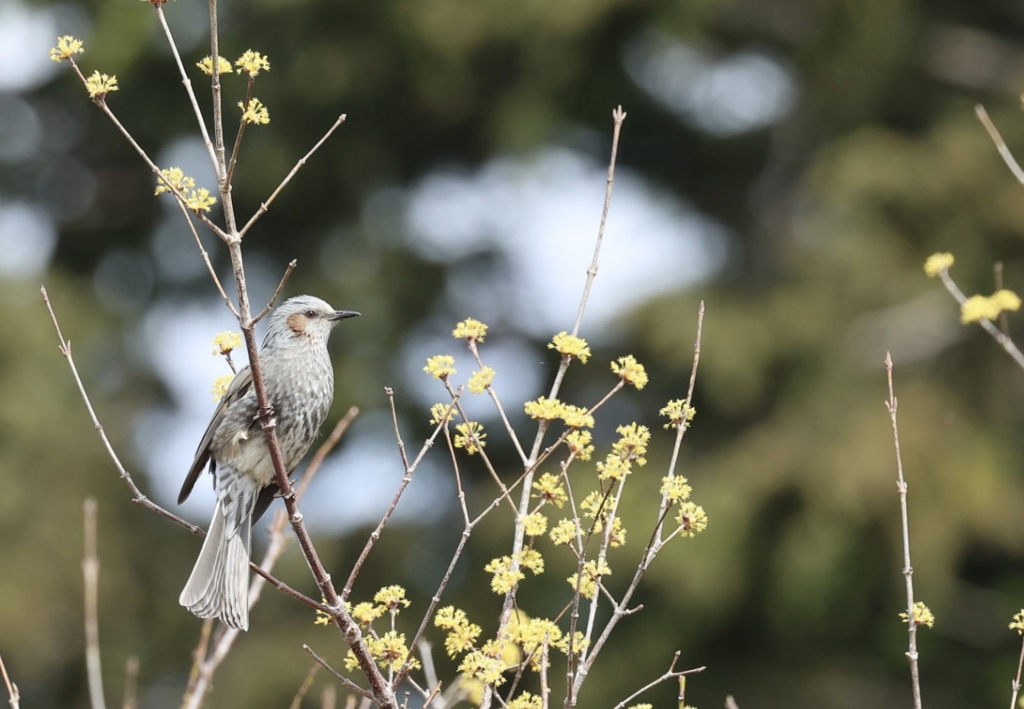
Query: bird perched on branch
[[299, 381]]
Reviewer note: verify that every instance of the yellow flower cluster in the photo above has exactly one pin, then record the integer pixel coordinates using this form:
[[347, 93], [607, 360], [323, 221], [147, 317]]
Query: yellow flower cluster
[[586, 583], [678, 413], [570, 346], [198, 200], [99, 85], [526, 701], [224, 342], [937, 263], [442, 413], [630, 371], [535, 524], [692, 519], [462, 635], [580, 444], [547, 409], [486, 664], [252, 63], [674, 488], [365, 613], [392, 598], [922, 615], [223, 66], [505, 574], [1018, 622], [220, 386], [471, 330], [254, 112], [389, 650], [440, 367], [550, 488], [480, 380], [564, 532], [629, 449], [67, 47], [980, 307], [470, 435]]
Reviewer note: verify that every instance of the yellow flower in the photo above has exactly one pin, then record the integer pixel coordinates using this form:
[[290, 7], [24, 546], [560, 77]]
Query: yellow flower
[[579, 443], [365, 613], [617, 538], [223, 66], [1018, 622], [470, 435], [549, 488], [531, 559], [691, 519], [563, 533], [67, 47], [389, 650], [630, 371], [922, 615], [535, 524], [674, 488], [255, 112], [470, 329], [176, 178], [200, 200], [613, 468], [937, 263], [482, 666], [526, 701], [980, 307], [632, 445], [224, 342], [391, 597], [576, 416], [252, 63], [547, 409], [504, 578], [678, 413], [99, 85], [462, 634], [480, 380], [220, 386], [442, 413], [570, 346], [440, 366], [586, 584]]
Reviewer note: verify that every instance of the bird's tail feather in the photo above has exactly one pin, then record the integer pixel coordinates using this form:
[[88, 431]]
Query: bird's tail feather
[[219, 584]]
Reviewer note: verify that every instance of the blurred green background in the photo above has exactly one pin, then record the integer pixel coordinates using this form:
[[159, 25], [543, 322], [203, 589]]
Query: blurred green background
[[789, 162]]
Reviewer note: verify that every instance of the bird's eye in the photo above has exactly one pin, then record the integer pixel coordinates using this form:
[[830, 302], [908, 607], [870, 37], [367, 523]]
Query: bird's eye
[[310, 314]]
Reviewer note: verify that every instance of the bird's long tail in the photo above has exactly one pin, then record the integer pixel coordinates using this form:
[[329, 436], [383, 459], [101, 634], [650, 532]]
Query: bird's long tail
[[219, 584]]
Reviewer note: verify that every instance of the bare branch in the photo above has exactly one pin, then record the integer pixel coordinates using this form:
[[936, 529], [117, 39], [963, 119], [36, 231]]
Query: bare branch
[[14, 697], [997, 139], [91, 572], [280, 286], [337, 675]]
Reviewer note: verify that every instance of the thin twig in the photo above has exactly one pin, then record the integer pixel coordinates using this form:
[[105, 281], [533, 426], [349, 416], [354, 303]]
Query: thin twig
[[671, 673], [304, 687], [908, 570], [91, 573], [1000, 144], [14, 697], [337, 675], [1016, 680], [131, 683], [266, 205], [233, 160], [987, 325], [277, 292]]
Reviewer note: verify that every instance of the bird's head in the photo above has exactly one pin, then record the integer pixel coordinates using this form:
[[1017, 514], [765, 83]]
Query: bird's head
[[303, 317]]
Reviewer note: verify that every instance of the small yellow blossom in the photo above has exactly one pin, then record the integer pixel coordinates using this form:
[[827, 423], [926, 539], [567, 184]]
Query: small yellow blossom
[[176, 178], [594, 504], [534, 633], [617, 537], [640, 706], [389, 650], [586, 583], [504, 578], [223, 66], [1018, 622], [365, 613], [674, 488], [630, 371], [470, 435], [937, 263], [564, 532], [632, 445], [470, 329], [200, 200], [391, 597], [462, 635], [678, 413], [531, 559], [535, 525], [220, 386], [613, 468], [442, 413], [580, 443], [922, 615], [526, 701], [252, 63], [440, 366], [480, 380], [255, 112], [577, 416], [484, 667], [570, 346], [692, 519], [224, 342], [67, 47], [547, 409], [550, 488], [99, 85], [980, 307]]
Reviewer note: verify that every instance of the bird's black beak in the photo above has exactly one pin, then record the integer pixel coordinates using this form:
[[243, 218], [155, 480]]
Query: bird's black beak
[[342, 314]]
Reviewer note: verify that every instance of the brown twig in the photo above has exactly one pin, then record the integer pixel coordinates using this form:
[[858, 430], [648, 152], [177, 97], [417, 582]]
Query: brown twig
[[997, 139], [671, 673], [337, 675], [908, 570], [987, 325], [277, 292], [91, 573], [304, 687], [131, 683], [1016, 680]]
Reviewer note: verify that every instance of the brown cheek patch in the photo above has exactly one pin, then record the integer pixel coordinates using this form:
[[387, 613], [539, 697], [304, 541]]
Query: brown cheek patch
[[297, 323]]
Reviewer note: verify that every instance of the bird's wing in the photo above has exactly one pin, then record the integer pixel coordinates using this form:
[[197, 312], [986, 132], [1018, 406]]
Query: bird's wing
[[238, 388]]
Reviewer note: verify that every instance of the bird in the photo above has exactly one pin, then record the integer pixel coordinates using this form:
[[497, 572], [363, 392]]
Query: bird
[[299, 381]]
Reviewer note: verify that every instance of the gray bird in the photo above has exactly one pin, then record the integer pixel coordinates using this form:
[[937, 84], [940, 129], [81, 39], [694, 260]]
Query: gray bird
[[299, 380]]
